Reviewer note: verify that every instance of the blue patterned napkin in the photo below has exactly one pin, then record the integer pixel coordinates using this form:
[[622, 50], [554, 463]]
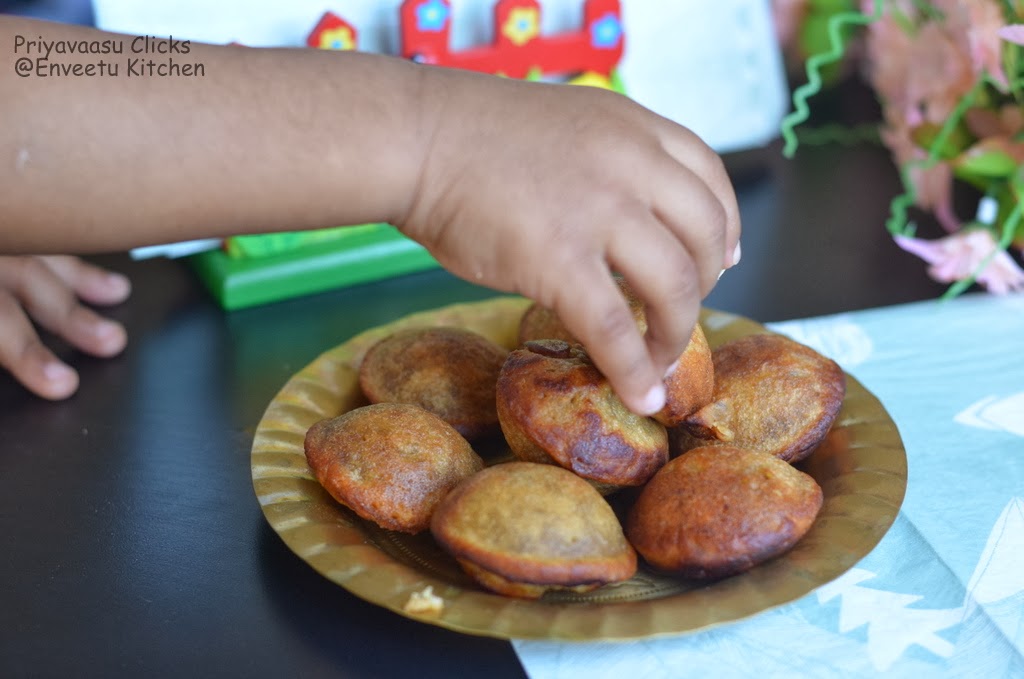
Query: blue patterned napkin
[[943, 593]]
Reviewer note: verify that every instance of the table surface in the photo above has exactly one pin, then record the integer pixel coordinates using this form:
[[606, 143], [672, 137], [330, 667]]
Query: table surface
[[132, 540]]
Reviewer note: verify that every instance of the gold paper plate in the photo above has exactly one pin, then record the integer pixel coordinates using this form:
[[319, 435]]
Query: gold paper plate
[[861, 466]]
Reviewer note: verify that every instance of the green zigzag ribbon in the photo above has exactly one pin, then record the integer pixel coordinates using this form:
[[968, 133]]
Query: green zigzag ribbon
[[814, 65]]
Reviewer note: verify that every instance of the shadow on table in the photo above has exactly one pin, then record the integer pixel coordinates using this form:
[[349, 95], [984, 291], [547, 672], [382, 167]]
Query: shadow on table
[[344, 631]]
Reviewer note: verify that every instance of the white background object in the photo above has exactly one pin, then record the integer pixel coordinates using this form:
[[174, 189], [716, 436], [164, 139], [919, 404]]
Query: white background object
[[712, 66]]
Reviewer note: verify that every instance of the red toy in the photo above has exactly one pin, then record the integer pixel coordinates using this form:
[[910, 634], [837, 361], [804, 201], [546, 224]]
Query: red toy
[[519, 49], [333, 33]]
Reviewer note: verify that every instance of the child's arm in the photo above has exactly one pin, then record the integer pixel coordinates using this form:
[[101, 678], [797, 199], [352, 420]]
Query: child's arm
[[529, 188]]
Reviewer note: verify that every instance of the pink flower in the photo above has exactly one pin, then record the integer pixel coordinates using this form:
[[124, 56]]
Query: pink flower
[[977, 25], [1013, 33], [922, 64], [920, 72], [957, 257]]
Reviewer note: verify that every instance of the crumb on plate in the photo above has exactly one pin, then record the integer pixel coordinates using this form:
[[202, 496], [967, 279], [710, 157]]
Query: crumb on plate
[[424, 602]]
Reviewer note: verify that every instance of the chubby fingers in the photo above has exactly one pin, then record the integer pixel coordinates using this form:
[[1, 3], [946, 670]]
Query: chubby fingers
[[596, 314], [673, 258], [28, 360], [671, 249], [47, 290], [54, 305], [91, 283], [704, 164], [664, 274]]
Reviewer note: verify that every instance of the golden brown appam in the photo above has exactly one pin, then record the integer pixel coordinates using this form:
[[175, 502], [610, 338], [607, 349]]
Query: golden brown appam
[[555, 407], [390, 463], [771, 395], [522, 529], [719, 510], [449, 371], [691, 384], [687, 388]]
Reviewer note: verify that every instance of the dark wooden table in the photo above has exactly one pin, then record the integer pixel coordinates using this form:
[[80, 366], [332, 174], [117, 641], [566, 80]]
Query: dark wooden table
[[132, 542]]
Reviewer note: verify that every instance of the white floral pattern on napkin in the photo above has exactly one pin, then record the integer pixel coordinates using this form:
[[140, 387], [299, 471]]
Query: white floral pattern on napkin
[[1004, 413], [839, 337], [943, 593]]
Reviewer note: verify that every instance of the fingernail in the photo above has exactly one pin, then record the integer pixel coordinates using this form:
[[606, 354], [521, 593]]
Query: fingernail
[[671, 369], [736, 254], [653, 401], [57, 372], [106, 329], [118, 282]]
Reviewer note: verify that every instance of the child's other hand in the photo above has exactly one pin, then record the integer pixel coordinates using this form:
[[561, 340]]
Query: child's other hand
[[50, 291], [544, 190]]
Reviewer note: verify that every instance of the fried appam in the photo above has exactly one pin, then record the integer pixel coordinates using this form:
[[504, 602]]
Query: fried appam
[[688, 387], [772, 395], [691, 384], [449, 371], [390, 463], [555, 407], [522, 529], [720, 510]]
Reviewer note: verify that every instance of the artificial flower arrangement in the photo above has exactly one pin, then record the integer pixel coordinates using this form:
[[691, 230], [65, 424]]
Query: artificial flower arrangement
[[949, 76]]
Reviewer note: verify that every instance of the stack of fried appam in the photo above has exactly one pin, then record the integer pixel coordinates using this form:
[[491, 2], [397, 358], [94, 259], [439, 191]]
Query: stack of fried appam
[[723, 498]]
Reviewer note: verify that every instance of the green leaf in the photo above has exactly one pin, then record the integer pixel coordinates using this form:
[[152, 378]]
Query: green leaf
[[993, 164]]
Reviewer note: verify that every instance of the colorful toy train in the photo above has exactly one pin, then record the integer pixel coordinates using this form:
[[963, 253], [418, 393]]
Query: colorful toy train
[[519, 49]]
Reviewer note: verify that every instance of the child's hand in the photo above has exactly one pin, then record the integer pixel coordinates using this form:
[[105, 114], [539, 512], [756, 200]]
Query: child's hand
[[48, 290], [544, 190]]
